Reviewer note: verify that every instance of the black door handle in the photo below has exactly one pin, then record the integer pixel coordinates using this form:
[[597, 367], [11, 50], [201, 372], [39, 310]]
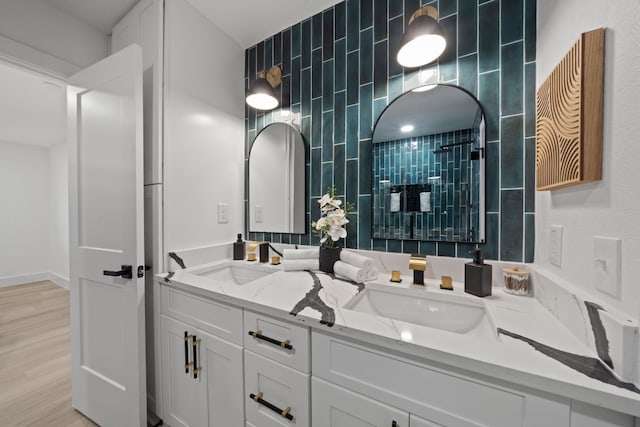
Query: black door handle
[[125, 272]]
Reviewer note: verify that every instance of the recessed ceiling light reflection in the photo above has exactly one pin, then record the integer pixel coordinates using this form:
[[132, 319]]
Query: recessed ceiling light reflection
[[406, 336], [424, 88], [406, 128]]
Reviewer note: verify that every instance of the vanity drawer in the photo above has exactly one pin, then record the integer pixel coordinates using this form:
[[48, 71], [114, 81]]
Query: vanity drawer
[[442, 398], [212, 317], [276, 385], [264, 335]]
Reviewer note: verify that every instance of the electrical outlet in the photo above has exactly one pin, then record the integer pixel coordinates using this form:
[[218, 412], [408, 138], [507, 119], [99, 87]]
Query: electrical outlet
[[223, 213], [607, 265], [555, 245], [259, 214]]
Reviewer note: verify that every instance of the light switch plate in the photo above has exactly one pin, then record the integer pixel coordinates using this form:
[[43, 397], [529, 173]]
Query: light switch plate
[[259, 213], [607, 265], [555, 245], [223, 213]]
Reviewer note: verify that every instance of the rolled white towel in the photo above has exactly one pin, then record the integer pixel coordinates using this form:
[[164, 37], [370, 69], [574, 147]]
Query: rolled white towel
[[349, 271], [425, 201], [300, 264], [301, 253], [395, 202], [371, 274], [356, 259]]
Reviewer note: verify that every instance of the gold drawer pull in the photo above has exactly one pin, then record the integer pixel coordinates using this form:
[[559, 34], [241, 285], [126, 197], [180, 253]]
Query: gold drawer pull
[[286, 413], [257, 334]]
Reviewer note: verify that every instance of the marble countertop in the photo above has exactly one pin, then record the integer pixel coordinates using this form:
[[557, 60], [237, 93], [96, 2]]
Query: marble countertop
[[529, 346]]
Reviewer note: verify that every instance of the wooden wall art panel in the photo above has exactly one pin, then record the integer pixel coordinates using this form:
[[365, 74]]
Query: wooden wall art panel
[[569, 110]]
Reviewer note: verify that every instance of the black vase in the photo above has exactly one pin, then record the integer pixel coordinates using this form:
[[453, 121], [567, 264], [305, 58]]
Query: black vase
[[328, 257]]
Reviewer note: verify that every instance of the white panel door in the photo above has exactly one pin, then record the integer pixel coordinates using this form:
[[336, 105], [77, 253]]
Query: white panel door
[[106, 237]]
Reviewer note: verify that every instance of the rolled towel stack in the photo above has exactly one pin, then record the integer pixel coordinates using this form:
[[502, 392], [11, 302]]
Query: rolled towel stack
[[312, 253], [301, 259], [355, 267], [356, 259], [349, 271], [300, 264]]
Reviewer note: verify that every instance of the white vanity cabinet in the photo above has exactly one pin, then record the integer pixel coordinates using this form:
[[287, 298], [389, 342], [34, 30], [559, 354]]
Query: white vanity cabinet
[[260, 371], [380, 385], [355, 384], [276, 369], [202, 372]]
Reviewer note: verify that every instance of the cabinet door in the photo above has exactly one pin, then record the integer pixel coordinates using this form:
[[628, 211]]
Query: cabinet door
[[271, 388], [223, 369], [184, 397], [334, 406]]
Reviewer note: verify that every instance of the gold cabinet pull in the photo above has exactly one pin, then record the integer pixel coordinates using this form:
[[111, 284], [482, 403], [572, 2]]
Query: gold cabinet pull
[[257, 334], [286, 413], [195, 343]]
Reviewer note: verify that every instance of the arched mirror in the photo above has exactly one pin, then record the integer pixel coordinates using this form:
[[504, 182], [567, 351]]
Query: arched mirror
[[277, 180], [428, 167]]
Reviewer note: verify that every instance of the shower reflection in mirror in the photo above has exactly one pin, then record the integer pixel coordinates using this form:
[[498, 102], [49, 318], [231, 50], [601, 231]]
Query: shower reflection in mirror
[[428, 182]]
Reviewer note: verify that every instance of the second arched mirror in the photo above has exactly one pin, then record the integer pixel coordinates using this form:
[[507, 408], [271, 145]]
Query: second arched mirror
[[428, 167], [277, 180]]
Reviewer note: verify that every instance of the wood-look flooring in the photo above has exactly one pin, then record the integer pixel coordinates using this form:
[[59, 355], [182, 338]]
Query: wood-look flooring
[[35, 357]]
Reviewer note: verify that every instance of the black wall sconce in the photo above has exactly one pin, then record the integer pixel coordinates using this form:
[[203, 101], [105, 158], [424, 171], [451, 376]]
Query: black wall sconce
[[424, 40], [261, 94]]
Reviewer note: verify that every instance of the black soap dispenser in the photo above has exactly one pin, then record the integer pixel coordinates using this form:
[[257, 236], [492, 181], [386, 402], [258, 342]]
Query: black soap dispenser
[[238, 248], [477, 276]]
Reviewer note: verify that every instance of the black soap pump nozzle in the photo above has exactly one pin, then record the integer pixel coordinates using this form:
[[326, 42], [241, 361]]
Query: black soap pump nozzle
[[478, 258], [238, 248], [477, 275]]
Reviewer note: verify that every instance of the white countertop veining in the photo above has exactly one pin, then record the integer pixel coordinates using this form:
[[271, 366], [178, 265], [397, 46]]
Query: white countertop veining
[[499, 356]]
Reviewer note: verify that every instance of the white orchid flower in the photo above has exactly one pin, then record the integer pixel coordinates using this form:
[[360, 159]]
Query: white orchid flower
[[331, 224], [336, 233], [324, 200], [321, 223]]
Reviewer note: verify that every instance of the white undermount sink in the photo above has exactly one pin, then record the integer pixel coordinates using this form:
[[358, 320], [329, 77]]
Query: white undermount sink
[[454, 313], [234, 272]]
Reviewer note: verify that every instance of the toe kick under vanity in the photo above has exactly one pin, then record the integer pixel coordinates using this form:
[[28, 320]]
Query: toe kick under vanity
[[280, 349]]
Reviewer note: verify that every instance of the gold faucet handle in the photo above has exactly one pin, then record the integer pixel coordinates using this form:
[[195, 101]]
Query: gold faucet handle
[[418, 262], [251, 247], [447, 283]]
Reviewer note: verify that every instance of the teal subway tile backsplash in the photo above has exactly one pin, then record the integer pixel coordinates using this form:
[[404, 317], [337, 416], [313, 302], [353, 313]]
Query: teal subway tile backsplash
[[467, 26], [489, 36], [489, 97], [511, 152], [340, 72], [512, 70], [511, 13], [511, 225]]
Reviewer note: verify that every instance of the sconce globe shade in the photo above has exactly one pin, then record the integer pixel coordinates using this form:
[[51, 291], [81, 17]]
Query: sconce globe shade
[[261, 95], [422, 43]]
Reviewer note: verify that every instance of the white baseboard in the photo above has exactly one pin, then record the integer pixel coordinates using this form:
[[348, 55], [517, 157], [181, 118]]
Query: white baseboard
[[22, 279], [63, 282]]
